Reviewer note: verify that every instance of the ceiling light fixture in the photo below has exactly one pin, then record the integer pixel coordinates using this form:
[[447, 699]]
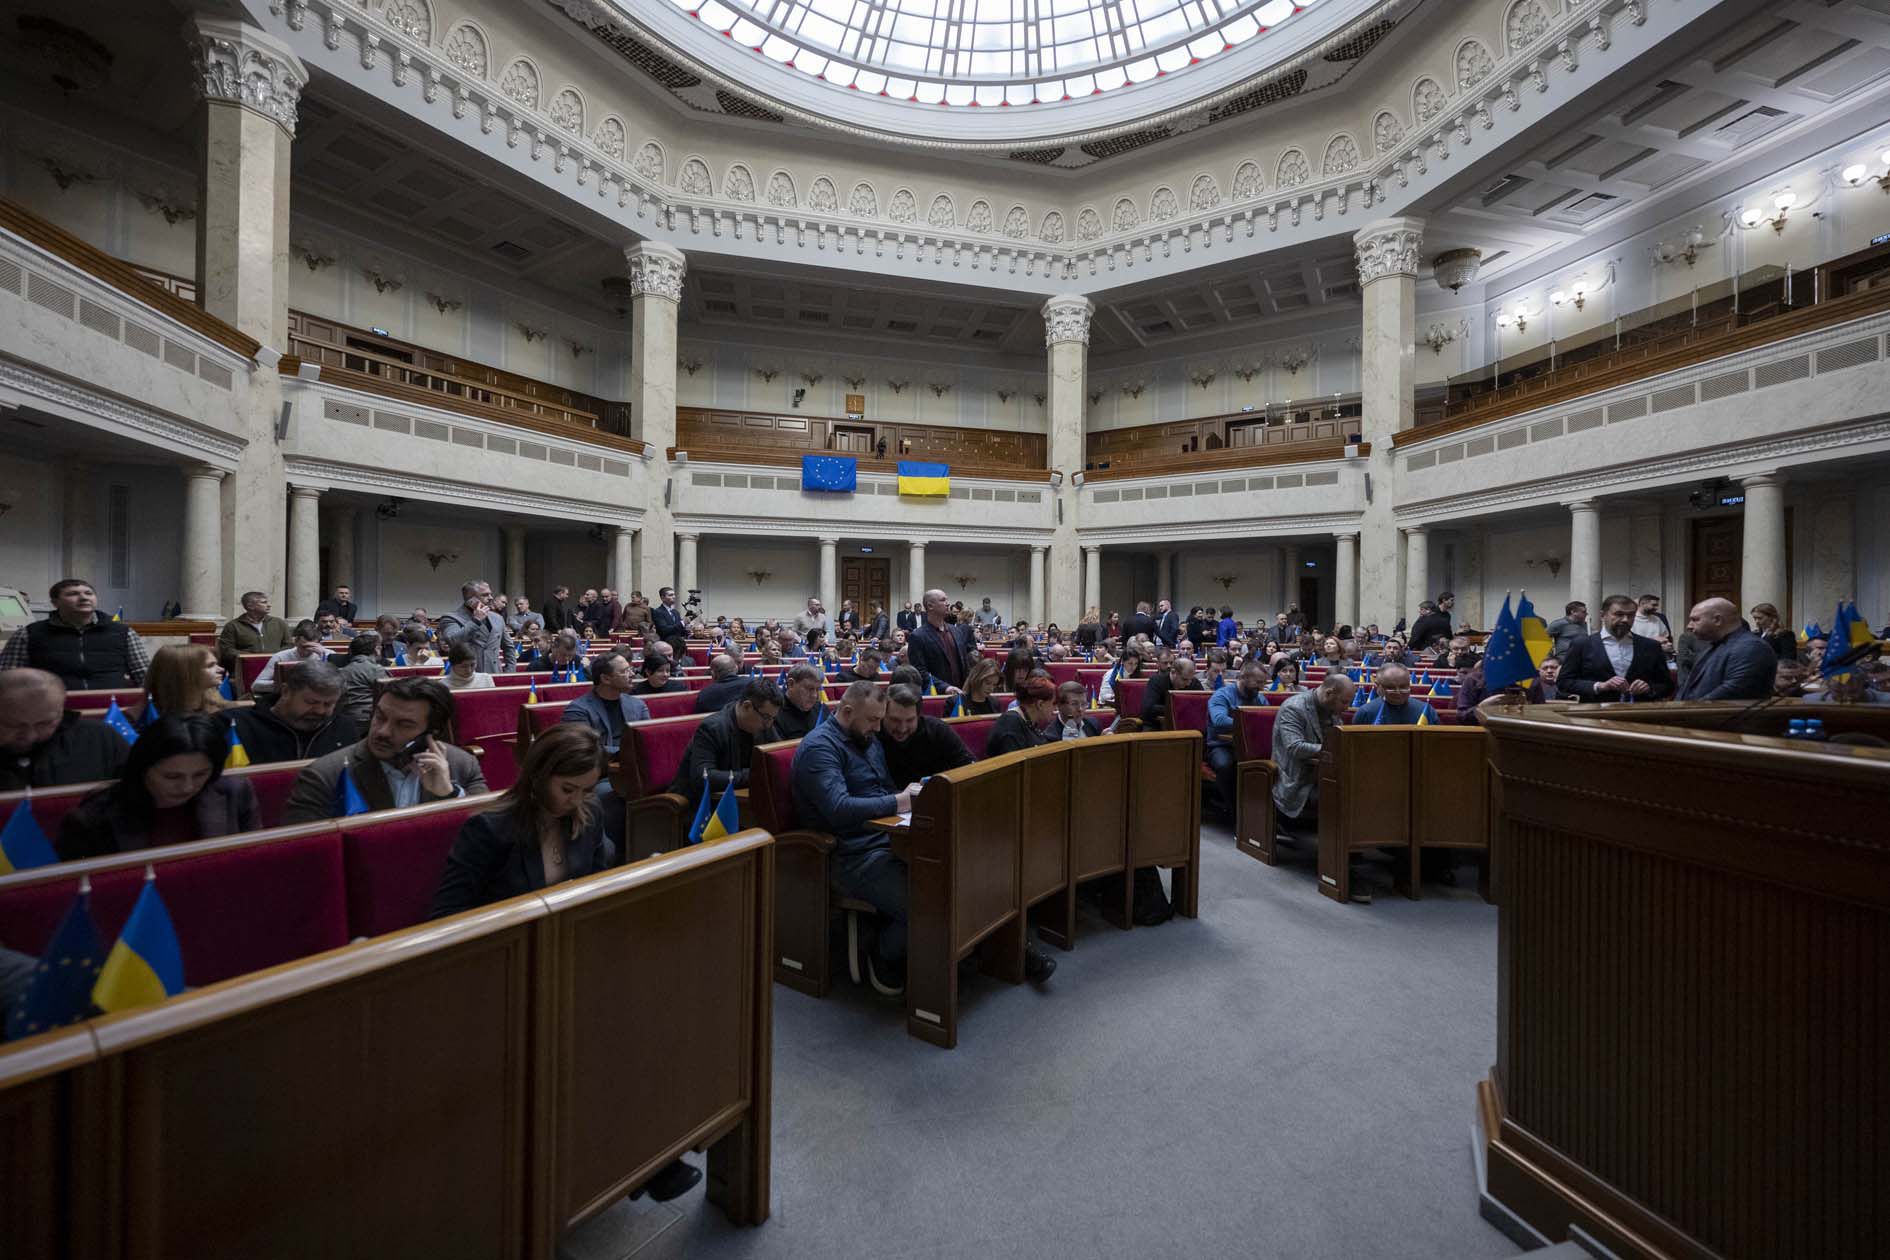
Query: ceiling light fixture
[[1455, 268]]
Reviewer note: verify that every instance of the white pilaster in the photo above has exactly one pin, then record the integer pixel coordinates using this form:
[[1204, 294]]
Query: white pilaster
[[1165, 575], [203, 544], [623, 550], [1584, 557], [1289, 580], [515, 562], [1092, 578], [1066, 339], [685, 566], [1036, 585], [305, 543], [1388, 255], [1762, 562], [830, 576], [1417, 571], [656, 281], [915, 574], [341, 547], [1345, 582]]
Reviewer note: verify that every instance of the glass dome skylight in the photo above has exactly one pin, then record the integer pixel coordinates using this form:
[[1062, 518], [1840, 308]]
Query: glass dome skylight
[[992, 52]]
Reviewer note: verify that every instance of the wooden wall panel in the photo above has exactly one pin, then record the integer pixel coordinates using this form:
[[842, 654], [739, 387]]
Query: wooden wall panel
[[1098, 825]]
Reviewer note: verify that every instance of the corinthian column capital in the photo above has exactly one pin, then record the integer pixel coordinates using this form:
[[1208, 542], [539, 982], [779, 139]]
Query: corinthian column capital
[[1066, 318], [656, 270], [240, 65], [1389, 247]]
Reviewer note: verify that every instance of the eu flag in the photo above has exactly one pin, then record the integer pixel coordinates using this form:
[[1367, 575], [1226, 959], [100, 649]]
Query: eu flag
[[830, 474], [1849, 633], [348, 798], [60, 991], [1506, 661], [116, 719]]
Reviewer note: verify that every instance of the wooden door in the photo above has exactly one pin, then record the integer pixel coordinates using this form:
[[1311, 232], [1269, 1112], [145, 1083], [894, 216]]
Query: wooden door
[[851, 440], [866, 580], [1716, 547], [1246, 432]]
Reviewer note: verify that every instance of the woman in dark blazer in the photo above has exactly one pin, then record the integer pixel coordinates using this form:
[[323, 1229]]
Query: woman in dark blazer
[[1770, 627], [545, 829], [980, 685], [1023, 727], [171, 791]]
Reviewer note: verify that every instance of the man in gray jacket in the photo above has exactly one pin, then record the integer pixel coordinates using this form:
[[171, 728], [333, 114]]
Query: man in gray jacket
[[479, 628], [1299, 736]]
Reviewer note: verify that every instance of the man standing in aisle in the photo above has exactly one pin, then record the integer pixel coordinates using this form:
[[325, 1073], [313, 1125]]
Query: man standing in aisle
[[944, 650], [479, 628]]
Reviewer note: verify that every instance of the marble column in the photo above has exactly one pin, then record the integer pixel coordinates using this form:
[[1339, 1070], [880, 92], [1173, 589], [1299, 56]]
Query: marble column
[[656, 281], [1345, 582], [1165, 575], [1066, 340], [1644, 553], [1036, 585], [341, 547], [1388, 251], [915, 575], [830, 576], [305, 553], [1417, 571], [623, 550], [1762, 558], [203, 544], [515, 562], [685, 565], [1584, 560], [250, 86], [82, 520], [1092, 579], [1289, 580]]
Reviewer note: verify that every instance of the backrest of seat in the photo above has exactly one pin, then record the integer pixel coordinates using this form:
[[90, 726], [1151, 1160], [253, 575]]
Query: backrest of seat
[[771, 786], [251, 663], [540, 676], [486, 711], [50, 804], [974, 730], [394, 860], [1188, 710], [653, 751], [1129, 696], [1253, 732], [670, 704], [272, 784], [1091, 676], [93, 703], [934, 706], [1062, 671], [534, 718], [238, 904]]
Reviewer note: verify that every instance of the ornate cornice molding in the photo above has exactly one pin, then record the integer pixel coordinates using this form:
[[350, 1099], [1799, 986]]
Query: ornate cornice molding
[[241, 65], [1238, 527], [1389, 247], [656, 270], [90, 405], [700, 523], [328, 474], [1066, 319]]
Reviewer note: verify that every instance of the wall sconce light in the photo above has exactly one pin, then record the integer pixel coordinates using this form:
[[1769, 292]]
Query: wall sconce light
[[1226, 580], [812, 378], [314, 256], [1247, 371], [767, 373], [435, 558], [1856, 176], [939, 388], [855, 383], [1520, 317], [1782, 203], [1578, 294], [760, 575], [1095, 396], [1294, 360], [691, 365], [383, 283], [1134, 388], [1076, 479], [1005, 395], [1542, 560], [174, 208], [577, 347], [1056, 478], [965, 579], [898, 386], [1686, 250], [1437, 337], [443, 304], [1202, 377], [1041, 398], [530, 333]]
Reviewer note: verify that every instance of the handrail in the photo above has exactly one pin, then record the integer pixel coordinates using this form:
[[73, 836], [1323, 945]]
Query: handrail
[[792, 459], [308, 350], [1225, 458], [102, 267]]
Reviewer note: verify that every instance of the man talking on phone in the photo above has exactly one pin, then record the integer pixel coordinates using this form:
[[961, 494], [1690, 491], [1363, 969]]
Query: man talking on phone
[[404, 760]]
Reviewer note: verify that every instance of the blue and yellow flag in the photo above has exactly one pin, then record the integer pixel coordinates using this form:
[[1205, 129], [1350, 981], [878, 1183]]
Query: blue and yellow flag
[[531, 692], [348, 798], [927, 480], [1506, 661], [1849, 631], [227, 688], [956, 708], [1535, 631], [726, 819], [60, 991], [23, 843], [116, 719], [1442, 688], [147, 964], [1424, 715], [120, 614], [238, 755]]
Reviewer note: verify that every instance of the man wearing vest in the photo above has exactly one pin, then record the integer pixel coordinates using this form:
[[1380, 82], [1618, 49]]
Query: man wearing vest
[[85, 650]]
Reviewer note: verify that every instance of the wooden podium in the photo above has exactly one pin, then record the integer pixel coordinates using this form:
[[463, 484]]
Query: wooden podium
[[1693, 1016]]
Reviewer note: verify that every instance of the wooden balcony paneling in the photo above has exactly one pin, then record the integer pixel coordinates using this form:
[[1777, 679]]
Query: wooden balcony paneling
[[711, 429]]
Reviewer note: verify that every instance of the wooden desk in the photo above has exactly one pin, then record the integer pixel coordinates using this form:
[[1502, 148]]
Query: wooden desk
[[1406, 788]]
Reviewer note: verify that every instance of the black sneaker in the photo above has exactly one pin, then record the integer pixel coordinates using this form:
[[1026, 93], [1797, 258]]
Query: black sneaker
[[1038, 965], [887, 978], [671, 1181]]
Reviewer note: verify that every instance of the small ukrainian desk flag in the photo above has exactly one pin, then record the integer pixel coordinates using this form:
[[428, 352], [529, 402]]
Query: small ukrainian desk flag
[[146, 965], [238, 755], [830, 474], [23, 843], [925, 480], [723, 820]]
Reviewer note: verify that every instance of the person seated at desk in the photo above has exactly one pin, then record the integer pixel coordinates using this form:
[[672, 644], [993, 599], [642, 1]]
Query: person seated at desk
[[1614, 663], [1394, 705], [333, 627], [725, 683], [1300, 732], [980, 685], [416, 646], [306, 645], [171, 791], [462, 672], [1283, 675], [608, 706], [1179, 676], [917, 746], [1223, 713], [723, 747], [301, 722], [42, 745], [866, 668], [183, 678], [403, 761], [1851, 687], [801, 701], [656, 679], [1019, 664], [1072, 717], [1130, 666], [564, 660], [1023, 724]]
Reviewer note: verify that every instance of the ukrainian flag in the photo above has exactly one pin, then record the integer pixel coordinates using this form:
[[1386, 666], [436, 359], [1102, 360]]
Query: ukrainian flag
[[531, 692], [23, 843], [60, 991], [120, 614], [146, 965], [725, 821], [238, 755], [226, 688], [1442, 688], [926, 480], [1424, 716], [1849, 631], [958, 703], [1506, 660], [1535, 631]]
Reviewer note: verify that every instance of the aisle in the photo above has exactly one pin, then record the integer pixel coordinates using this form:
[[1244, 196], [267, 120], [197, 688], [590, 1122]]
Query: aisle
[[1285, 1076]]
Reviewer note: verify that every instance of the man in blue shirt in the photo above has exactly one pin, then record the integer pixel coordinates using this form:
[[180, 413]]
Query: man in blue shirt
[[1394, 705], [1228, 630], [1221, 718]]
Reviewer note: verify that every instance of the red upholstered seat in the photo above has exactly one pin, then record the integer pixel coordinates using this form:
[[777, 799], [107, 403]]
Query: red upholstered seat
[[1188, 710], [272, 785], [486, 711], [1129, 696], [1062, 671], [975, 731], [934, 706], [1254, 733], [251, 663], [205, 639], [500, 763], [238, 908], [413, 671], [671, 704], [394, 860], [1091, 676], [653, 751], [774, 803], [542, 717], [130, 699], [542, 677], [696, 682], [50, 805]]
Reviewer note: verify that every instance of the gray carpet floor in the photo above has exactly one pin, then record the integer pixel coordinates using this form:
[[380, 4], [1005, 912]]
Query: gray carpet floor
[[1284, 1076]]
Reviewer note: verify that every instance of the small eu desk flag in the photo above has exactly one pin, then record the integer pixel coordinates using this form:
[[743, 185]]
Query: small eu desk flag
[[830, 474], [927, 480], [60, 991], [23, 843], [146, 965], [1506, 660], [116, 719], [348, 798]]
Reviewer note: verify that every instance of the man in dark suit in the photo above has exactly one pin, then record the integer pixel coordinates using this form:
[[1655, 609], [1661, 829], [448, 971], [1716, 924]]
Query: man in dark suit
[[556, 616], [1167, 624], [667, 623], [1139, 623], [943, 650], [1616, 664], [342, 605], [908, 619], [1735, 664], [403, 761]]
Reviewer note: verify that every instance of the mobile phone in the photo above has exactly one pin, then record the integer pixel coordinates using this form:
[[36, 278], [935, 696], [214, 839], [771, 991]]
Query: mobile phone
[[405, 755]]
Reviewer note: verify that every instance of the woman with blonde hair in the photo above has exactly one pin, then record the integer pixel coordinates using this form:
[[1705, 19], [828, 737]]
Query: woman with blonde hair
[[1770, 627], [183, 678], [975, 695]]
